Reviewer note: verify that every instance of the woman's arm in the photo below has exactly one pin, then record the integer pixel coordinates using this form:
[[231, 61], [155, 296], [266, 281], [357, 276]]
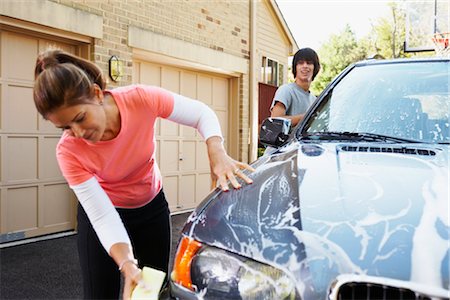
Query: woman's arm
[[196, 114], [223, 167], [110, 230]]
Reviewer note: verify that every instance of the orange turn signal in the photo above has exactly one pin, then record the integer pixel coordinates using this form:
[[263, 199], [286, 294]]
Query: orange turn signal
[[181, 273]]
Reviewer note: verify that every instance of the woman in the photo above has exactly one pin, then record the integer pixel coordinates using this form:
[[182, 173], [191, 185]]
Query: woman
[[107, 155]]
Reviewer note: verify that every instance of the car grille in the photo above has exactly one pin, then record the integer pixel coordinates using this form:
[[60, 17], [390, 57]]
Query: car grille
[[359, 291], [401, 150], [360, 287]]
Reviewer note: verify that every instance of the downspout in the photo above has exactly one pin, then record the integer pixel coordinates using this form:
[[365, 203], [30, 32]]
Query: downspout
[[253, 136]]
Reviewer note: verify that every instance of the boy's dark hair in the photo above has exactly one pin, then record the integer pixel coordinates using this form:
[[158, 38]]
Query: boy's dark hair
[[306, 54]]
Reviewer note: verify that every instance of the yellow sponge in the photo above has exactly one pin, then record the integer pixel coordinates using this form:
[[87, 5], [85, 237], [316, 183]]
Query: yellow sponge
[[153, 280]]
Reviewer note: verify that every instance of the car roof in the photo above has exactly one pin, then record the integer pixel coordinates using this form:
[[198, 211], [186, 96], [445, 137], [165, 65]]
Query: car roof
[[401, 60]]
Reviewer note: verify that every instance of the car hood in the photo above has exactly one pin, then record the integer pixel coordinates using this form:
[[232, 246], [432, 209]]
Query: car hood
[[320, 210]]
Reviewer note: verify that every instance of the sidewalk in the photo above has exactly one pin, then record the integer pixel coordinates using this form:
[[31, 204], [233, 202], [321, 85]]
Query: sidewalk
[[49, 269]]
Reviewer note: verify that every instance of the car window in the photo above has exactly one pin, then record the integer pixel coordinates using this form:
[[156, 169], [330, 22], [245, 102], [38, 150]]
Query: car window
[[406, 100]]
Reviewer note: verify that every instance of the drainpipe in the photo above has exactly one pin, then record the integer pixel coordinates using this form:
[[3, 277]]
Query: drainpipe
[[253, 136]]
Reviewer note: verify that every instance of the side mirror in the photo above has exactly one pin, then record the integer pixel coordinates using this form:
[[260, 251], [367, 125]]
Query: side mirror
[[274, 131]]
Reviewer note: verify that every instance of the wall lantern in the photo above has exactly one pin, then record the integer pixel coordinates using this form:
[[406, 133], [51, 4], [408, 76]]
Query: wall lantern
[[115, 68]]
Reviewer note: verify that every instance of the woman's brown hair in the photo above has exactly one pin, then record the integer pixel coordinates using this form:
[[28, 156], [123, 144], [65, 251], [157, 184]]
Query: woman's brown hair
[[63, 79]]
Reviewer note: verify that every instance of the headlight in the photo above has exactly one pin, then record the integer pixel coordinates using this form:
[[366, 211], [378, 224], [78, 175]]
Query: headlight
[[218, 274]]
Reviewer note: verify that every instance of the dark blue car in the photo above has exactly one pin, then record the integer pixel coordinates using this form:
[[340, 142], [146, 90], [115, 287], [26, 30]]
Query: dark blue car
[[353, 203]]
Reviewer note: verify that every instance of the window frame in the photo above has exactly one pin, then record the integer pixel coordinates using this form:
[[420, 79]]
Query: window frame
[[267, 76]]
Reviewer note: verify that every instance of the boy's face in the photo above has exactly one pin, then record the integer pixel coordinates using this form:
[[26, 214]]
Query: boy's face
[[305, 70]]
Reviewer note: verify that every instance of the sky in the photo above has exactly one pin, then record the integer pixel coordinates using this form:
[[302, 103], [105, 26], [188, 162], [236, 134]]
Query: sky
[[313, 21]]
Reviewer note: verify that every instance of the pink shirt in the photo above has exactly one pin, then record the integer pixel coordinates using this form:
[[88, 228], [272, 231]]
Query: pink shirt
[[125, 166]]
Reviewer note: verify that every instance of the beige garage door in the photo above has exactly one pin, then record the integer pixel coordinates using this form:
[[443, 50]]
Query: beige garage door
[[34, 198], [181, 152]]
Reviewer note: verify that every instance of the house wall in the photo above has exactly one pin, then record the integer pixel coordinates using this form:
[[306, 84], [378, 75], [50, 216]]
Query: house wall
[[222, 26], [205, 39], [270, 40]]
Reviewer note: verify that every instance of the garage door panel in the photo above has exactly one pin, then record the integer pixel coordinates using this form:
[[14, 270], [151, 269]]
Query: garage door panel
[[47, 126], [57, 205], [169, 156], [171, 191], [220, 89], [168, 128], [188, 132], [136, 73], [20, 56], [48, 165], [189, 85], [188, 156], [187, 191], [22, 154], [3, 89], [150, 74], [22, 206], [202, 157], [158, 127], [19, 111], [223, 120], [202, 190], [170, 79], [157, 151], [204, 89]]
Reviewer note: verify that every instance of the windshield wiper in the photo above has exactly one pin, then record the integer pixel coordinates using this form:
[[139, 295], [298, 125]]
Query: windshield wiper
[[354, 136]]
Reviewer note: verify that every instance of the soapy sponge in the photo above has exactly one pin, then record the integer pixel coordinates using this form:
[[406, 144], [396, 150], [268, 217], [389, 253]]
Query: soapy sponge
[[153, 280]]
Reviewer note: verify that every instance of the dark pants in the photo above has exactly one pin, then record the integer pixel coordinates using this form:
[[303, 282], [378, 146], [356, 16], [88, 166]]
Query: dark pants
[[149, 230]]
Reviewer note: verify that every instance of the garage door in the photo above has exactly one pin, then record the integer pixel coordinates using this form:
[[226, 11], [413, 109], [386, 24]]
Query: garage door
[[34, 198], [181, 152]]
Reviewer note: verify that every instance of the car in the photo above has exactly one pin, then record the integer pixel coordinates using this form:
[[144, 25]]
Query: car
[[352, 203]]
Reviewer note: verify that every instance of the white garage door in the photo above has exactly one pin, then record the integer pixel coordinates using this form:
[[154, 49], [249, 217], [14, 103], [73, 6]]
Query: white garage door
[[181, 152], [34, 198]]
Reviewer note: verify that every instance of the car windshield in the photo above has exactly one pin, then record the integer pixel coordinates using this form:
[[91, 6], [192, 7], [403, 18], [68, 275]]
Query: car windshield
[[407, 101]]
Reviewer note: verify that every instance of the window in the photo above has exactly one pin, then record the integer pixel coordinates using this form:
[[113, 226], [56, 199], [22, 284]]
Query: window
[[404, 100], [271, 72]]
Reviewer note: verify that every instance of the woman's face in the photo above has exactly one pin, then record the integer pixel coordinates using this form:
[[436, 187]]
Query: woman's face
[[86, 121]]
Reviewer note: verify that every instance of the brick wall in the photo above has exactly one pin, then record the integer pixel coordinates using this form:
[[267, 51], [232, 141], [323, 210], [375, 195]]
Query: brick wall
[[216, 24]]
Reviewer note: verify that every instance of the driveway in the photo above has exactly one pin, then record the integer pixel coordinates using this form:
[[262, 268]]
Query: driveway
[[50, 269]]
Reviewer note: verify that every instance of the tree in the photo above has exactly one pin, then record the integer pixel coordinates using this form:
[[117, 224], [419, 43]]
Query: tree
[[387, 36], [384, 41], [340, 51]]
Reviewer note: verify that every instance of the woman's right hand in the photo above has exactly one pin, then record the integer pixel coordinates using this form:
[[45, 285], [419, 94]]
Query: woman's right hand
[[133, 276], [122, 253]]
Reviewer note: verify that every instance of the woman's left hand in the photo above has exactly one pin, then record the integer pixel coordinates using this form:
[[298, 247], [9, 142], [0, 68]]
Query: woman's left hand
[[223, 167]]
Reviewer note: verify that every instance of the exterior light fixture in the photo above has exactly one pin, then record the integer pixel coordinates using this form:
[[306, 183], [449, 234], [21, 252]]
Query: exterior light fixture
[[115, 68]]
